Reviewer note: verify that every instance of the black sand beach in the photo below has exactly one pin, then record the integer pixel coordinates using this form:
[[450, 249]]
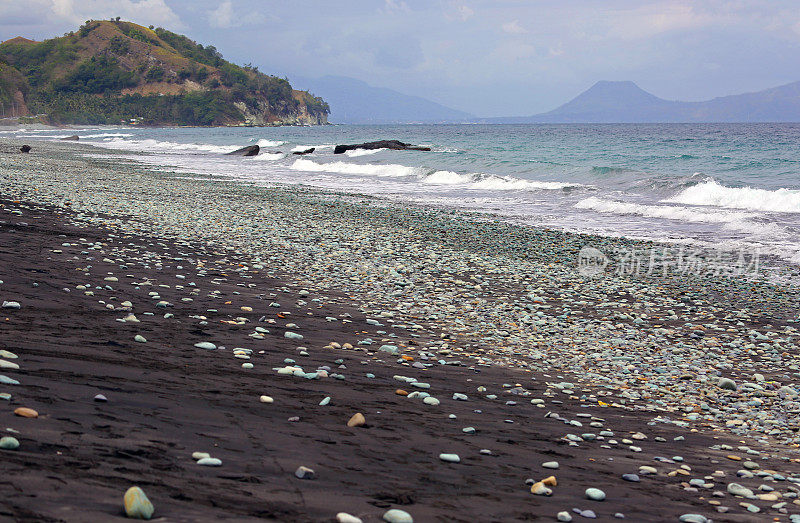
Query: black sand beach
[[167, 398]]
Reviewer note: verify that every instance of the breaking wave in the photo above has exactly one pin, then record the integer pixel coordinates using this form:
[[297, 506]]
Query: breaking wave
[[712, 193]]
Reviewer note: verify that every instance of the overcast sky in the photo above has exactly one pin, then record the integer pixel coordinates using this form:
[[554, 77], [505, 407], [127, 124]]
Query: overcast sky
[[491, 58]]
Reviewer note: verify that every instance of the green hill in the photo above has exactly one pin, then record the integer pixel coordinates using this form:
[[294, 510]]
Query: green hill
[[109, 72]]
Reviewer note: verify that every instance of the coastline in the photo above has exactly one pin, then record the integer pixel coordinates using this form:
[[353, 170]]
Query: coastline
[[504, 300]]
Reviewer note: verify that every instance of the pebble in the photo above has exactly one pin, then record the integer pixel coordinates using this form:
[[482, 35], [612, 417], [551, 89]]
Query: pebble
[[139, 338], [430, 400], [205, 345], [357, 420], [209, 462], [595, 494], [550, 464], [100, 398], [344, 517], [304, 473], [200, 455], [8, 365], [325, 401], [9, 443], [631, 477], [26, 412], [397, 516], [564, 516], [137, 506], [266, 399], [11, 305], [450, 458]]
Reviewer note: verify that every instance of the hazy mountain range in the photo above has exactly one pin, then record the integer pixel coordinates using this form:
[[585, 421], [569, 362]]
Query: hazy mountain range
[[354, 101]]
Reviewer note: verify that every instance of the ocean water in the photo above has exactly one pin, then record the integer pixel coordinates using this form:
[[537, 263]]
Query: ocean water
[[723, 186]]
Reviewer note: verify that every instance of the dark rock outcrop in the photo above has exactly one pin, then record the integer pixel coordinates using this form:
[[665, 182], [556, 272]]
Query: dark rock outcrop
[[395, 145], [250, 150], [25, 148], [307, 151], [73, 138]]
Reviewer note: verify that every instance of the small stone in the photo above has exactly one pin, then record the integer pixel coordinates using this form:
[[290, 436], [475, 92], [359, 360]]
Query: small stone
[[564, 516], [137, 506], [430, 400], [304, 473], [738, 490], [100, 398], [8, 365], [550, 464], [693, 518], [450, 458], [539, 489], [9, 443], [11, 305], [26, 412], [200, 455], [266, 399], [325, 401], [595, 494], [727, 384], [397, 516], [292, 335], [344, 517], [633, 478], [357, 420], [139, 338], [209, 462], [205, 345]]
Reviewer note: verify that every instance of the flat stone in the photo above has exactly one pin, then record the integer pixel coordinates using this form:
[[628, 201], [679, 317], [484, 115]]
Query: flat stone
[[26, 412], [550, 464], [450, 458], [266, 399], [205, 345], [344, 517], [200, 455], [209, 462]]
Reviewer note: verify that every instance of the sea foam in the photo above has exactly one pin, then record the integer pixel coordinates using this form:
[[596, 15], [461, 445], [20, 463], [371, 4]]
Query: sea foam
[[709, 192]]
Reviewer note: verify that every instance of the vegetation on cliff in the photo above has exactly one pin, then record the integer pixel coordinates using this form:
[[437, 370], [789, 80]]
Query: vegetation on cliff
[[113, 71]]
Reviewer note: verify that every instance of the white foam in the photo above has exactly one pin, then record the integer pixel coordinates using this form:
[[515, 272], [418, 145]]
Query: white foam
[[263, 142], [162, 146], [670, 212], [448, 178], [362, 152], [385, 170], [106, 135], [268, 157], [507, 183], [712, 193]]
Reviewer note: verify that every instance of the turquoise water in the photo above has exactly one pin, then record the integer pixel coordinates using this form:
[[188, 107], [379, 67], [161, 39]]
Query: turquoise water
[[728, 186]]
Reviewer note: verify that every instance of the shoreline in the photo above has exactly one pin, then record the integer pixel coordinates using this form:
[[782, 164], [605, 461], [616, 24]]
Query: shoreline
[[507, 299]]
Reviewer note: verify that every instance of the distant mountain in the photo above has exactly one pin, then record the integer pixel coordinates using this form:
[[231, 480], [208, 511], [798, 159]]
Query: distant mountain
[[356, 102], [115, 71], [625, 102]]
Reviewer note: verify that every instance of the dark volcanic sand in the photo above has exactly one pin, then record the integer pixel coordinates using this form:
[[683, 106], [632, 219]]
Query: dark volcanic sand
[[168, 399]]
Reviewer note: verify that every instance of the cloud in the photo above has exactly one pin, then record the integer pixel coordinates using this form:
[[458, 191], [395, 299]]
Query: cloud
[[396, 6], [513, 27], [465, 12], [225, 17], [222, 16], [144, 12]]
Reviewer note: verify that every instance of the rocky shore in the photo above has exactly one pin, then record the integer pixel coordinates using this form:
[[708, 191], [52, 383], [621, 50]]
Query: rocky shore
[[214, 343]]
